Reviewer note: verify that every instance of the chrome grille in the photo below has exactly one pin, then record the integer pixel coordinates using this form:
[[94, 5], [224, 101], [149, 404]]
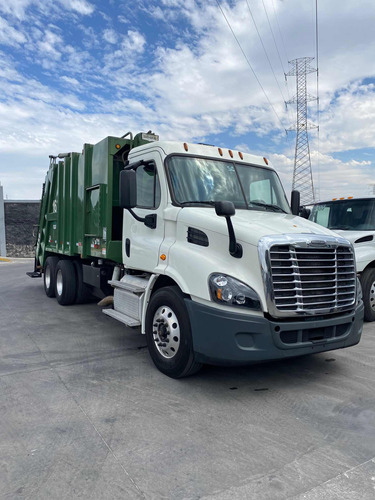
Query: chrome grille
[[307, 277]]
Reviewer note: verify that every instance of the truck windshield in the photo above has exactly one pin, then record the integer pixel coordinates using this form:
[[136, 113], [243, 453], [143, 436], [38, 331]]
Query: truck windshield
[[350, 215], [204, 181]]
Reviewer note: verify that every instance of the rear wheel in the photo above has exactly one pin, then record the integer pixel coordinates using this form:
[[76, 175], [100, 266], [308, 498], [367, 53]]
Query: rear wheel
[[49, 277], [168, 334], [368, 293], [66, 282]]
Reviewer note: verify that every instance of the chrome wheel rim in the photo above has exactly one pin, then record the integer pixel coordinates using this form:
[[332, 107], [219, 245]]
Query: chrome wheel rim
[[166, 332], [47, 277], [372, 296], [59, 282]]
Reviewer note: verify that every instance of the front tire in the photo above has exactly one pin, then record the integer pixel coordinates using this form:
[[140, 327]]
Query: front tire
[[49, 276], [168, 334], [368, 293], [66, 282]]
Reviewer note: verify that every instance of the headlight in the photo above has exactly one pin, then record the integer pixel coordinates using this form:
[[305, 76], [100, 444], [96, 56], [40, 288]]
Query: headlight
[[231, 292], [359, 292]]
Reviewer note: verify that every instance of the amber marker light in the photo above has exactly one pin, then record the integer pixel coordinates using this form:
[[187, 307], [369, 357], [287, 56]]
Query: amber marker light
[[265, 160], [342, 198], [240, 155], [230, 153], [350, 197], [334, 199], [220, 151], [185, 146], [117, 146], [218, 293], [163, 256]]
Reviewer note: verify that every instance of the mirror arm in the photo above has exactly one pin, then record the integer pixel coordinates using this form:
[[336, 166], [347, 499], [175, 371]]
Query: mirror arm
[[235, 249], [149, 221]]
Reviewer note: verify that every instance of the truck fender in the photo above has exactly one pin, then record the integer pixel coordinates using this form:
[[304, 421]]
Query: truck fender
[[148, 292]]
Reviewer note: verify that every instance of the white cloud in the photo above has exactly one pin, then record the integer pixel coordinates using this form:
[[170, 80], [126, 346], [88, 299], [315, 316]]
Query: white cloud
[[15, 7], [110, 36], [10, 35], [70, 81], [18, 8], [134, 42], [49, 43], [80, 6]]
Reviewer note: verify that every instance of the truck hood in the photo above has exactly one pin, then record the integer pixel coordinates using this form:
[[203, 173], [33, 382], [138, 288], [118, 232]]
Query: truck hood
[[249, 225], [353, 236]]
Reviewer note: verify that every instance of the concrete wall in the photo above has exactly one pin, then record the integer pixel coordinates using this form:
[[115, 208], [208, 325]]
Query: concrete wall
[[21, 221]]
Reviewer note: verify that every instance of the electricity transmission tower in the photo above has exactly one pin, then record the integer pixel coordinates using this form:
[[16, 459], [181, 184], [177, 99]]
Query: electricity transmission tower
[[302, 173]]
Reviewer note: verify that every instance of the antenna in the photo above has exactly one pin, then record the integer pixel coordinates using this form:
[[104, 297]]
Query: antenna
[[302, 173]]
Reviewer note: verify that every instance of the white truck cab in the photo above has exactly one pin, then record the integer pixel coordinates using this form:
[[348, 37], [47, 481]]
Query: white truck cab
[[354, 219], [217, 269]]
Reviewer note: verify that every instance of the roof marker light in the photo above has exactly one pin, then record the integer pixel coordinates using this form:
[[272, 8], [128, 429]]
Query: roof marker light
[[240, 155], [185, 146], [230, 153], [220, 151], [334, 199], [350, 197], [265, 160], [342, 198]]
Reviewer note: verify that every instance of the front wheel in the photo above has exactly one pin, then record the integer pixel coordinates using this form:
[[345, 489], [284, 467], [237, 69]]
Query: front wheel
[[168, 334], [368, 293]]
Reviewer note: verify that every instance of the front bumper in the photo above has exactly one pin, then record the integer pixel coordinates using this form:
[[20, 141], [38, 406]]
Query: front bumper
[[230, 338]]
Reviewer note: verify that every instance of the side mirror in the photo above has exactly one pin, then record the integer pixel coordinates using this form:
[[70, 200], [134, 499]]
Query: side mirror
[[295, 202], [305, 213], [128, 189], [225, 208]]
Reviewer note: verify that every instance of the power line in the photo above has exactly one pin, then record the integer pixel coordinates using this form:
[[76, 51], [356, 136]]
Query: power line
[[264, 48], [277, 50], [281, 36], [273, 36], [249, 64], [317, 85]]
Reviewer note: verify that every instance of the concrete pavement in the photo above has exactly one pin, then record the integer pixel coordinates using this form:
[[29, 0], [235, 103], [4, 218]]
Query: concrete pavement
[[85, 414]]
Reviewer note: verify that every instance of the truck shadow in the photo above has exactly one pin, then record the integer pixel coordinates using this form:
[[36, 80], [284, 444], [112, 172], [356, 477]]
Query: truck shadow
[[263, 377]]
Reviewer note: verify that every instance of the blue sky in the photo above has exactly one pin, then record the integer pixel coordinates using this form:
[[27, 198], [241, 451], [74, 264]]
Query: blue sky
[[74, 71]]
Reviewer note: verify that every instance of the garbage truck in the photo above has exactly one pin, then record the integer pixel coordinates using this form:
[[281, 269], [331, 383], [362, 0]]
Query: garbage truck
[[198, 247], [353, 218]]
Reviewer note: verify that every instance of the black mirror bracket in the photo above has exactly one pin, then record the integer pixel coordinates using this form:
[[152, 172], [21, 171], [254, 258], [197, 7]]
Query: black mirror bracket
[[235, 249], [149, 221]]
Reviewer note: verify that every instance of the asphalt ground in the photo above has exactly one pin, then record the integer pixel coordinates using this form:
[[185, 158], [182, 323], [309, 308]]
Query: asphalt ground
[[85, 414]]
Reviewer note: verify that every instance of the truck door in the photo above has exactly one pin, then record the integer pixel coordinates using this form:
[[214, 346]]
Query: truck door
[[141, 243]]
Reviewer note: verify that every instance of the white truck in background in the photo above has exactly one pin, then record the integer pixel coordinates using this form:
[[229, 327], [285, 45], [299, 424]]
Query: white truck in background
[[354, 219]]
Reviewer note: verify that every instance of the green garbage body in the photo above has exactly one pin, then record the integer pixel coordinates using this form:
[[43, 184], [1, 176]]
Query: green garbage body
[[80, 214]]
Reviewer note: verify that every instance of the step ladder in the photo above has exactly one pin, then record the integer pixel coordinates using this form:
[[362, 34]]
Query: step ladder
[[128, 299]]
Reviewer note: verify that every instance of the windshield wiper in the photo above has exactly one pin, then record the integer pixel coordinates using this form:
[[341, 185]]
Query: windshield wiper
[[275, 208], [211, 203]]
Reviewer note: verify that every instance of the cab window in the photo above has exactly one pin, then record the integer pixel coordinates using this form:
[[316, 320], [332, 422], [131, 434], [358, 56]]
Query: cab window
[[148, 186]]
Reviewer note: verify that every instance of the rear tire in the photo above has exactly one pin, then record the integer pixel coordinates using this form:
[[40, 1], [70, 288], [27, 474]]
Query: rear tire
[[49, 276], [66, 282], [368, 293], [168, 334]]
